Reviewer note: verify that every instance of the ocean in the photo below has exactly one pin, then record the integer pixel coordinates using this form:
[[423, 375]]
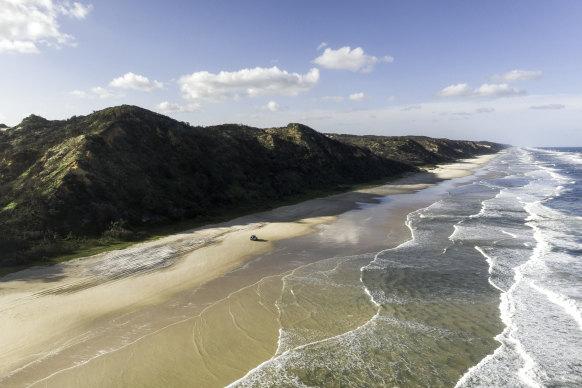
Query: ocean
[[486, 293]]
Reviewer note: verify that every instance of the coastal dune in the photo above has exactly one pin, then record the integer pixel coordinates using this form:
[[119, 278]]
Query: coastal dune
[[199, 306]]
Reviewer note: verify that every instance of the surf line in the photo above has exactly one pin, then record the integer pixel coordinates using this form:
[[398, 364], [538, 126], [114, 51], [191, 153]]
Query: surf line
[[506, 337], [542, 248], [528, 370]]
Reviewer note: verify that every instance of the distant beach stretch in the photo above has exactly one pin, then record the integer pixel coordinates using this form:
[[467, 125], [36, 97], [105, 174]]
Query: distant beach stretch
[[446, 277]]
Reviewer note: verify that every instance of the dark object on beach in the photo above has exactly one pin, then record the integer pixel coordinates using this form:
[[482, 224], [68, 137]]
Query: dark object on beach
[[254, 238]]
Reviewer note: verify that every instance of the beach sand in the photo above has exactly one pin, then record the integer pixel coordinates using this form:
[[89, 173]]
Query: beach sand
[[196, 307]]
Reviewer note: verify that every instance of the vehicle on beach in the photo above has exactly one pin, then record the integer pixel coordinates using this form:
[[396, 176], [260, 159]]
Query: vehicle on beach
[[254, 238]]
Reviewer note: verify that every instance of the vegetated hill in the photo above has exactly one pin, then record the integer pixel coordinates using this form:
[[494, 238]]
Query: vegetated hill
[[131, 166], [419, 150], [109, 172]]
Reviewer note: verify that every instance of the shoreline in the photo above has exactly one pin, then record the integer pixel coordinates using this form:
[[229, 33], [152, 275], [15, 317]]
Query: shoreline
[[95, 288]]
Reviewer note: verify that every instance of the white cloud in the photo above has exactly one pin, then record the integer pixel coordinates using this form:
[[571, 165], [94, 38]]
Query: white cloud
[[336, 99], [80, 94], [96, 92], [26, 23], [497, 90], [77, 10], [273, 106], [17, 46], [136, 82], [357, 96], [103, 93], [270, 106], [321, 45], [458, 90], [250, 82], [485, 90], [168, 107], [516, 75], [548, 107], [411, 107], [347, 59]]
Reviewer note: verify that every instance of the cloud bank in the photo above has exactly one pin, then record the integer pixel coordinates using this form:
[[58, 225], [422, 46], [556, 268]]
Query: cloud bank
[[484, 110], [104, 93], [517, 75], [336, 99], [547, 107], [499, 88], [347, 59], [168, 107], [248, 82], [485, 90], [411, 107], [271, 106], [26, 23], [96, 92]]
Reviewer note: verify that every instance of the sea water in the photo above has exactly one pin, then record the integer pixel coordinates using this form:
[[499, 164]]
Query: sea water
[[487, 292]]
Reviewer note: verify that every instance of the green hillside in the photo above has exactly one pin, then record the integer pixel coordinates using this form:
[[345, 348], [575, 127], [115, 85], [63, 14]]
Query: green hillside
[[125, 168]]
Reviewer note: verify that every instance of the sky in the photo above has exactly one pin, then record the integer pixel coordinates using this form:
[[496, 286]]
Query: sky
[[504, 71]]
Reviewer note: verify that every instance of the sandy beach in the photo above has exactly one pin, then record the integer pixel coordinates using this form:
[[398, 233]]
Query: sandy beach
[[200, 305]]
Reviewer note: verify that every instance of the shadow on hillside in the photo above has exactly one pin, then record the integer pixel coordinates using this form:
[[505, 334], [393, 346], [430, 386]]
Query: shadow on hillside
[[328, 206]]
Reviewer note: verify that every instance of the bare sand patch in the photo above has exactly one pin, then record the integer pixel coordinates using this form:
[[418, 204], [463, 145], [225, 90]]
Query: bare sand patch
[[461, 168]]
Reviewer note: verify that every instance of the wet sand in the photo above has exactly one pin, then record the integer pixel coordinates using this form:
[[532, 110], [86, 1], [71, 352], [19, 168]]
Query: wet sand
[[198, 307]]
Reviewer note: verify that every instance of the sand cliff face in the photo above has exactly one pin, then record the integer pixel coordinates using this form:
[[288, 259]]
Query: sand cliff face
[[126, 166]]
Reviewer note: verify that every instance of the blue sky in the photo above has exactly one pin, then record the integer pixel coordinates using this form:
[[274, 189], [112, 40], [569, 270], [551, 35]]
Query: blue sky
[[507, 71]]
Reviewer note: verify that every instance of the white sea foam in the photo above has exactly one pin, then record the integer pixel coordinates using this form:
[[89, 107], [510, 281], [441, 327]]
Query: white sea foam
[[510, 348], [569, 305], [538, 212], [491, 261], [496, 369], [453, 235], [259, 374], [509, 234]]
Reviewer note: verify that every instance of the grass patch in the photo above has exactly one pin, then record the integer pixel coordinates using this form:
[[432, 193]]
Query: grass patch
[[10, 206]]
